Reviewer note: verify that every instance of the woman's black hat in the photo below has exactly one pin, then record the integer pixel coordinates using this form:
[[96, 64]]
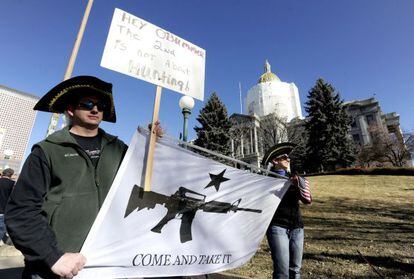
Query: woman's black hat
[[277, 150], [71, 90]]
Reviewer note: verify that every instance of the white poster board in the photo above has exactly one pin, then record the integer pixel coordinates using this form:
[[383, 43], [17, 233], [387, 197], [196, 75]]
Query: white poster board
[[145, 51], [2, 135]]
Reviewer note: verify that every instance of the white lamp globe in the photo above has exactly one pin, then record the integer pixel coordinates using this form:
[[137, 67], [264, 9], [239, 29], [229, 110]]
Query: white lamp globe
[[186, 102]]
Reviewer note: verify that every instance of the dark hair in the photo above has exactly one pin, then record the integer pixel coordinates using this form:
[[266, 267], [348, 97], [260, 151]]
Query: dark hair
[[8, 172]]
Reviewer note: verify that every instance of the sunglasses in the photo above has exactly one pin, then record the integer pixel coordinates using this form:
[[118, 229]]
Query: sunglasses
[[89, 105], [283, 157]]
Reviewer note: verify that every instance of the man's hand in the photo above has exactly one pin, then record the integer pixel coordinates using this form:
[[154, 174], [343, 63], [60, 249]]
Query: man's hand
[[69, 265], [157, 129]]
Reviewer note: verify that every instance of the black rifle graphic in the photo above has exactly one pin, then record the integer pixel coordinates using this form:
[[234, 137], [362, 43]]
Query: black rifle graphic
[[184, 204]]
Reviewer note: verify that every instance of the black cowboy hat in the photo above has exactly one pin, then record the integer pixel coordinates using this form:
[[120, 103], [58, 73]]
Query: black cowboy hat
[[277, 150], [71, 90]]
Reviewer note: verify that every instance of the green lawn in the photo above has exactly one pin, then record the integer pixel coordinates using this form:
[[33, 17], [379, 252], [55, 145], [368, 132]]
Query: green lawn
[[370, 214]]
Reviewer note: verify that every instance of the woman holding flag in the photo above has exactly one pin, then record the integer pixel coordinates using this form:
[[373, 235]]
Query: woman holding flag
[[285, 233]]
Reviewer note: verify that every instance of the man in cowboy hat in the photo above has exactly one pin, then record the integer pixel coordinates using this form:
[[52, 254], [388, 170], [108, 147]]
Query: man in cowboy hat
[[285, 233], [65, 179]]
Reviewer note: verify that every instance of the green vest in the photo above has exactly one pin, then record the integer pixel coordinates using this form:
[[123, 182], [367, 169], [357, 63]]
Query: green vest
[[77, 189]]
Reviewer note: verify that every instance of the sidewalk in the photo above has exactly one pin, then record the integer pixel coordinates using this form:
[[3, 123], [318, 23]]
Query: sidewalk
[[11, 266], [11, 262]]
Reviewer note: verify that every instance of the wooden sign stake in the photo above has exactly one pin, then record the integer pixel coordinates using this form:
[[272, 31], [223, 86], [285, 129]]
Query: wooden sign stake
[[69, 69], [153, 138]]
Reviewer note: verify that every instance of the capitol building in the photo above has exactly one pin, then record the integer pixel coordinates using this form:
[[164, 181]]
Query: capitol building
[[273, 114], [270, 100], [271, 95]]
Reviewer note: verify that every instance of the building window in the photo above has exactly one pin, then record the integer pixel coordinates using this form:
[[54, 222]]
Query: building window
[[370, 119], [356, 138], [353, 123], [251, 108]]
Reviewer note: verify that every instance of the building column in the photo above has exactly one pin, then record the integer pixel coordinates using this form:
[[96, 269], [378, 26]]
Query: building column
[[241, 147], [232, 147], [256, 145], [366, 137], [251, 141]]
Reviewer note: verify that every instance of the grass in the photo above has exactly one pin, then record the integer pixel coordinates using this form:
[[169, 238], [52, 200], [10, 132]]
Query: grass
[[370, 214]]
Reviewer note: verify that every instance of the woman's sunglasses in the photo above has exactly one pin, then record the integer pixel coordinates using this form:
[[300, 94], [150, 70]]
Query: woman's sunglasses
[[282, 157], [89, 105]]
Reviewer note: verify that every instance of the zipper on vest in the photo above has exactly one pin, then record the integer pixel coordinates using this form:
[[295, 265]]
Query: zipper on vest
[[98, 188], [100, 201], [95, 169], [95, 176]]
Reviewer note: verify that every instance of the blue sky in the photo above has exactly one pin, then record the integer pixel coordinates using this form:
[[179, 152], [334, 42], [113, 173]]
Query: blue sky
[[363, 48]]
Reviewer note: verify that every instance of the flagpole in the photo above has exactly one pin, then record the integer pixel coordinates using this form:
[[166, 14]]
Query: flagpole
[[69, 69], [153, 137], [190, 146], [240, 94]]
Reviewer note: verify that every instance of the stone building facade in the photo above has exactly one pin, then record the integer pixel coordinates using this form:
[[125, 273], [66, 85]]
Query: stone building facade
[[366, 115], [16, 122], [247, 144]]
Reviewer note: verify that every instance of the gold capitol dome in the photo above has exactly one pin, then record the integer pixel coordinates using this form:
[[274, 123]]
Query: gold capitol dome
[[268, 75]]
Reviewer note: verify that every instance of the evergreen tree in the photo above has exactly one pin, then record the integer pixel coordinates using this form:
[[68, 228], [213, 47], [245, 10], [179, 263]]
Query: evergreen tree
[[214, 133], [298, 136], [298, 156], [329, 145]]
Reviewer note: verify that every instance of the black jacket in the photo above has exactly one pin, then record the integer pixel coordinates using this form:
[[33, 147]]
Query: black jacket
[[27, 218], [288, 213], [6, 187]]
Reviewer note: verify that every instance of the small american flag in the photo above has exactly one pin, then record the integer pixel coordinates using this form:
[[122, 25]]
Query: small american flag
[[304, 188]]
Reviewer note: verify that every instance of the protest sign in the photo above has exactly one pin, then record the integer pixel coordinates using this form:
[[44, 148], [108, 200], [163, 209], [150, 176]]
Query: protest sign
[[145, 51]]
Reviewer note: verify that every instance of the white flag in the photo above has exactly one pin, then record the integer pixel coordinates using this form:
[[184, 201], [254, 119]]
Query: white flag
[[200, 216]]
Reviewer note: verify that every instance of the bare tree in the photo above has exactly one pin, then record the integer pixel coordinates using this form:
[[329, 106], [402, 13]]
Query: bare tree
[[297, 134], [394, 148], [365, 156], [409, 142], [273, 130], [238, 132], [398, 150]]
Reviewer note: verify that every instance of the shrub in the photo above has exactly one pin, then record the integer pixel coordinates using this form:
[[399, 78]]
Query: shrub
[[368, 171]]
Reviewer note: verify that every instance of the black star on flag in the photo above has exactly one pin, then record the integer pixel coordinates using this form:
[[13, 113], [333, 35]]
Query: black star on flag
[[216, 180]]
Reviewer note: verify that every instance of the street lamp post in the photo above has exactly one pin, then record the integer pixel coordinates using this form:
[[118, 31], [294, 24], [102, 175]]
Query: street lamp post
[[186, 104]]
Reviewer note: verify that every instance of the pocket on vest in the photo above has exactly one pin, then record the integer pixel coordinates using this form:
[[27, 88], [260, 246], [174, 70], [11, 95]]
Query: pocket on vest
[[72, 219]]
